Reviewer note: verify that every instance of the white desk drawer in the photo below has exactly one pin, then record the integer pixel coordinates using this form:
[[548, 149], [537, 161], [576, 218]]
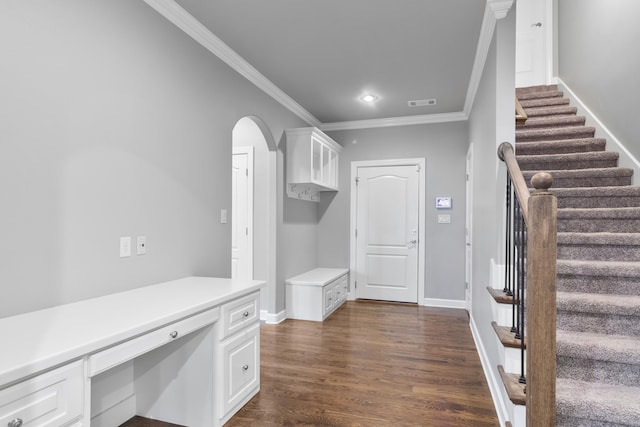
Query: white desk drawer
[[240, 313], [50, 399], [113, 356]]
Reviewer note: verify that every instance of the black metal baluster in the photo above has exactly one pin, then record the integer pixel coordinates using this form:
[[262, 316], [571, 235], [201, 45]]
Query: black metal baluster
[[521, 299], [508, 248]]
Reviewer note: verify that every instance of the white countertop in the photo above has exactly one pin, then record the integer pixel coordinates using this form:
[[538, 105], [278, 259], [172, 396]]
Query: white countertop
[[39, 340], [317, 276]]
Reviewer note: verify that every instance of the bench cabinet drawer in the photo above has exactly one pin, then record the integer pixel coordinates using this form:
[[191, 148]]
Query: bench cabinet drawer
[[113, 356], [51, 399]]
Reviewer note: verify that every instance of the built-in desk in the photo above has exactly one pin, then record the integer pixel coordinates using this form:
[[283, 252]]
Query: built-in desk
[[185, 351]]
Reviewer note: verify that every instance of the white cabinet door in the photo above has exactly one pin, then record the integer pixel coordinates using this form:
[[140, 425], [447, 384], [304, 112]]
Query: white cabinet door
[[241, 360]]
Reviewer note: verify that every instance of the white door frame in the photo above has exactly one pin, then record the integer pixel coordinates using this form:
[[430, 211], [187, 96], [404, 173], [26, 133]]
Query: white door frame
[[421, 218], [249, 152], [468, 229]]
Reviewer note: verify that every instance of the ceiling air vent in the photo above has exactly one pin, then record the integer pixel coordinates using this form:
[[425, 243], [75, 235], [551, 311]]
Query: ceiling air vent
[[422, 102]]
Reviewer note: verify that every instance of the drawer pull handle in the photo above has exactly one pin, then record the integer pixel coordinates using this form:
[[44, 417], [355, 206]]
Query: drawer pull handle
[[245, 368], [15, 423], [173, 334], [245, 314]]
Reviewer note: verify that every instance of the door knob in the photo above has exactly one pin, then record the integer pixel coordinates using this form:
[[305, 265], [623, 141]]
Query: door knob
[[537, 24]]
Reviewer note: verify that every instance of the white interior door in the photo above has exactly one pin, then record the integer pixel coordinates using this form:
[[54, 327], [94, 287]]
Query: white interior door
[[242, 214], [531, 62], [387, 221]]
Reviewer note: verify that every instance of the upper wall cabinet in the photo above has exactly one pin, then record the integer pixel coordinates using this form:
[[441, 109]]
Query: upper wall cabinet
[[312, 163]]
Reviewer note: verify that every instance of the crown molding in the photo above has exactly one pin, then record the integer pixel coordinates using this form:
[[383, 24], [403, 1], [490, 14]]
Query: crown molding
[[494, 10], [395, 121], [194, 28]]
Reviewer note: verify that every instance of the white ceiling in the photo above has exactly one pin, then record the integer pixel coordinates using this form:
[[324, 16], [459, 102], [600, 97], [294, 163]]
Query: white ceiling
[[325, 54]]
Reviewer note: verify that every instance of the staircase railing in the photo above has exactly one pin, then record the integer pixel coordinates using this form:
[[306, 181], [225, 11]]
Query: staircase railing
[[521, 115], [530, 276]]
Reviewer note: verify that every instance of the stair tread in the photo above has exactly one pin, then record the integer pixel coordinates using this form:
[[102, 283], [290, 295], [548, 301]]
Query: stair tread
[[598, 402], [565, 157], [539, 94], [536, 88], [506, 337], [499, 296], [595, 346], [602, 268], [550, 111], [627, 305], [553, 120]]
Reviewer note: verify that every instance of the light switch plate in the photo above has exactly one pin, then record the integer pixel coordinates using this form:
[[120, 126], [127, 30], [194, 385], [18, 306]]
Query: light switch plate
[[444, 219], [223, 216], [125, 246]]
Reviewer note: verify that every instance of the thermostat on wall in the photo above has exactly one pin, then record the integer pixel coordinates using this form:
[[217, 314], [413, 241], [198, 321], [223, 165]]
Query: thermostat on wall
[[443, 202]]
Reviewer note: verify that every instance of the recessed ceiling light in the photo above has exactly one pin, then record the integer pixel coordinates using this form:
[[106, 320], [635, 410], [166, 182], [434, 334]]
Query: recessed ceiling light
[[369, 98]]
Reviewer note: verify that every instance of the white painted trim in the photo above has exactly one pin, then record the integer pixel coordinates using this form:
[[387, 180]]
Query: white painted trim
[[494, 10], [421, 216], [444, 303], [250, 169], [468, 225], [627, 159], [272, 319], [395, 121], [194, 28], [493, 381], [117, 414]]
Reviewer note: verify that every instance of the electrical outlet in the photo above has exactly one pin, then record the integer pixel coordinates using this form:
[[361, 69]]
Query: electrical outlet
[[141, 245]]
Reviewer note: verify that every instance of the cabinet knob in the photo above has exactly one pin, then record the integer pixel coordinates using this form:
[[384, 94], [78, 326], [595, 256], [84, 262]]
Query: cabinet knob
[[245, 368], [245, 314], [173, 334], [15, 422]]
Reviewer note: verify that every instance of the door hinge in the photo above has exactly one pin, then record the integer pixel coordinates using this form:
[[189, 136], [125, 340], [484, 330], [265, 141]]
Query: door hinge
[[418, 167], [357, 180], [355, 285], [246, 231], [246, 172], [356, 232], [467, 177]]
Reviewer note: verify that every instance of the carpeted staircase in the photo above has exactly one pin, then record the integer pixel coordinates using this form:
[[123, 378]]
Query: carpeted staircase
[[598, 336]]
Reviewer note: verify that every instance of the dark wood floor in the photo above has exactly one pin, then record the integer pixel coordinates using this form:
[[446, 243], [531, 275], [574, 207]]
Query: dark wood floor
[[371, 364]]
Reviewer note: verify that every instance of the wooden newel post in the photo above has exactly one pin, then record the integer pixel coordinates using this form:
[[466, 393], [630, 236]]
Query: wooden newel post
[[541, 304]]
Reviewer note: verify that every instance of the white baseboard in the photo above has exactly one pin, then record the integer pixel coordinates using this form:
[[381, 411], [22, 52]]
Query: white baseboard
[[492, 380], [272, 319], [626, 158], [444, 303], [117, 414]]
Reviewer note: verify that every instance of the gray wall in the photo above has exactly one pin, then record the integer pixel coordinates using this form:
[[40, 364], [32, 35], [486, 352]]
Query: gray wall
[[491, 122], [444, 148], [598, 60], [115, 123]]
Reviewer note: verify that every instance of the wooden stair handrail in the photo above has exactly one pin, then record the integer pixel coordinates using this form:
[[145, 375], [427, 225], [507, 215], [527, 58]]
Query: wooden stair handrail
[[508, 156], [521, 115], [539, 210]]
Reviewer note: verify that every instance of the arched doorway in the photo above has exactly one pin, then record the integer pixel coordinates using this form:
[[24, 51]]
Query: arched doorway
[[255, 148]]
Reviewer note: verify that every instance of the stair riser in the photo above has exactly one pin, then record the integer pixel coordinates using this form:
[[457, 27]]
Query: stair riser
[[535, 89], [554, 134], [598, 202], [599, 252], [569, 165], [598, 225], [542, 94], [551, 148], [598, 285], [560, 111], [598, 323], [599, 371], [551, 122], [545, 102], [590, 182]]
